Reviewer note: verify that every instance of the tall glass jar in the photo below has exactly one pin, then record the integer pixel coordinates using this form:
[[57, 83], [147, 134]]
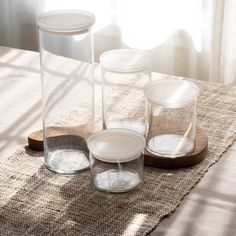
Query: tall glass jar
[[66, 53], [171, 105], [125, 72]]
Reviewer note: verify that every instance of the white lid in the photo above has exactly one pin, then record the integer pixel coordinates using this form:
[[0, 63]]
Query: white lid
[[125, 60], [65, 21], [116, 145], [171, 93]]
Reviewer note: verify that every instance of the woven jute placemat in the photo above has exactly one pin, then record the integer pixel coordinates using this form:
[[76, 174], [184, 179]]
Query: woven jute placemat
[[35, 201]]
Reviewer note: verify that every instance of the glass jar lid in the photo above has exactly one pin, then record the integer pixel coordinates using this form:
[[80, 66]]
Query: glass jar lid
[[171, 93], [125, 60], [116, 145], [65, 21]]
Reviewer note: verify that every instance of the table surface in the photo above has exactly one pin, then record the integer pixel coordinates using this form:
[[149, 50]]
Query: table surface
[[209, 209]]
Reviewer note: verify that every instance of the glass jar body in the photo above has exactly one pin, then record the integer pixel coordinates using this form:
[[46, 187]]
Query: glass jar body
[[124, 74], [172, 131], [67, 99], [116, 177]]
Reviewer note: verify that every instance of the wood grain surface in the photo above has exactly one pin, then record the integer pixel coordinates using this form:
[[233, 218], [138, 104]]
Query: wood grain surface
[[198, 154], [79, 134]]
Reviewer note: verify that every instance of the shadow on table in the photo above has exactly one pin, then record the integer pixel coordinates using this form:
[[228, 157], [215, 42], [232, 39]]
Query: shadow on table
[[210, 195], [15, 129], [46, 203]]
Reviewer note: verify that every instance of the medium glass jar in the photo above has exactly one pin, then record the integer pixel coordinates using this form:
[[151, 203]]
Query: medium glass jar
[[116, 158], [125, 72], [171, 105], [66, 53]]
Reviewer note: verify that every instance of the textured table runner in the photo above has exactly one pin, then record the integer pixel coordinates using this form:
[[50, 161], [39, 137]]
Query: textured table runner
[[35, 201]]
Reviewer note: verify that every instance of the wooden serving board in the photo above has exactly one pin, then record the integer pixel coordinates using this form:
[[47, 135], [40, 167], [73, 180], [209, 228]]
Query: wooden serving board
[[79, 134], [198, 154], [59, 134]]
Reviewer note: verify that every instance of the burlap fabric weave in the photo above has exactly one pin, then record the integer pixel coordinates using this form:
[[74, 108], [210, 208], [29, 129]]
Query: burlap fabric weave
[[35, 201]]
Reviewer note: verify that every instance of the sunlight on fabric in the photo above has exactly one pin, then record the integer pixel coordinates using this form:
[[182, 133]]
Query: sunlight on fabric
[[148, 24], [134, 225]]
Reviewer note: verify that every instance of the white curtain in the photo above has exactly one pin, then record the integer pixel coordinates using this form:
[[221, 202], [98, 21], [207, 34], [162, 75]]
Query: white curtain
[[191, 38], [223, 47]]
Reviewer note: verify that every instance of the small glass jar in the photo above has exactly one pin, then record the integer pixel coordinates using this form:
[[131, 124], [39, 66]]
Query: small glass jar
[[171, 105], [116, 159], [125, 72], [66, 53]]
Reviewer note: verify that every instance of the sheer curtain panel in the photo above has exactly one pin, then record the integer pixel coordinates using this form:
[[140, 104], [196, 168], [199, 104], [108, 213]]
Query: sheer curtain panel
[[192, 38]]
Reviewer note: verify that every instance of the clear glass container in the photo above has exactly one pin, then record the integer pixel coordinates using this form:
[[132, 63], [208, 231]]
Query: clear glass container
[[125, 72], [116, 158], [66, 54], [171, 108]]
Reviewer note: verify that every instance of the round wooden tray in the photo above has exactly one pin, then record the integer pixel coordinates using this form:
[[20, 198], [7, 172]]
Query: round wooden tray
[[198, 154], [79, 134]]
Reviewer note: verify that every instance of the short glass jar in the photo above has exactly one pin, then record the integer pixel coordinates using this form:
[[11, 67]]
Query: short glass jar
[[124, 74], [171, 105], [116, 160]]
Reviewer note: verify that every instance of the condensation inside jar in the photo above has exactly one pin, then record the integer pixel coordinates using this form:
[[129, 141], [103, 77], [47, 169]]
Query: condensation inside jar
[[172, 117], [116, 157]]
